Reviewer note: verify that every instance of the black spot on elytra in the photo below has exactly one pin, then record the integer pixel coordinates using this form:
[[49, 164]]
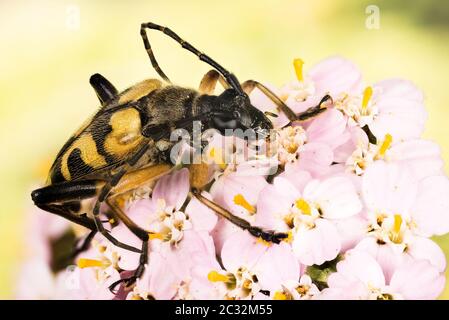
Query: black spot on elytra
[[77, 167]]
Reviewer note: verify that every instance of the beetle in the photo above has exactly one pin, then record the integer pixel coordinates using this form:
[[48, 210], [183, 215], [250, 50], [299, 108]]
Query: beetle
[[120, 148]]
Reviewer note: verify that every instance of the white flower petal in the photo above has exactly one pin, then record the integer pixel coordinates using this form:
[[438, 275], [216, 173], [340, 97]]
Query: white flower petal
[[317, 245], [336, 197]]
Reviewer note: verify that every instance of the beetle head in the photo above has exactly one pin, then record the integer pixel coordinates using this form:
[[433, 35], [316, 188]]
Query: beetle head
[[235, 111]]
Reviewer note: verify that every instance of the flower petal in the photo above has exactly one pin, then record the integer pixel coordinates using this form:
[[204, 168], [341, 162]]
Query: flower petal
[[357, 265], [336, 197], [277, 266], [389, 189], [173, 188], [241, 249], [336, 75], [430, 211], [422, 157], [202, 218], [422, 248], [418, 280], [317, 245], [329, 128]]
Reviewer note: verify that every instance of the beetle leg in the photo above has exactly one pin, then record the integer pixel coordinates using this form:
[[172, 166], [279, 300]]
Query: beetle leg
[[140, 233], [316, 110], [209, 81], [267, 235], [59, 197], [105, 192], [249, 85], [137, 273]]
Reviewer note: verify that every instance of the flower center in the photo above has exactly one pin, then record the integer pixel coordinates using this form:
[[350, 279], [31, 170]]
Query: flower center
[[385, 296], [360, 109], [240, 284], [302, 215], [389, 228], [292, 292], [170, 224], [290, 140]]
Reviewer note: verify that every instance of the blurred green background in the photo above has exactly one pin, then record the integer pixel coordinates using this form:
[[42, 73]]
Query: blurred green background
[[48, 50]]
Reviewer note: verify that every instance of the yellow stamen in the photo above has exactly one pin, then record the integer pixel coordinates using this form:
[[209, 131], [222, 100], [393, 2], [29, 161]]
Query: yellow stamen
[[292, 147], [289, 220], [397, 223], [367, 94], [302, 205], [278, 295], [87, 263], [385, 144], [217, 156], [102, 249], [264, 242], [214, 276], [302, 289], [298, 64], [247, 284], [159, 236], [395, 234], [240, 200], [289, 238]]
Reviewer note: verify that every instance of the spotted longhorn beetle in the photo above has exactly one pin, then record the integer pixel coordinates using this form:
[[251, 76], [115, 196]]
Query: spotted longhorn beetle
[[118, 149]]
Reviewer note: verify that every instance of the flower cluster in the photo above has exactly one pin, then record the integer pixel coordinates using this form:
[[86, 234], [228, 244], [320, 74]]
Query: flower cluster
[[357, 190]]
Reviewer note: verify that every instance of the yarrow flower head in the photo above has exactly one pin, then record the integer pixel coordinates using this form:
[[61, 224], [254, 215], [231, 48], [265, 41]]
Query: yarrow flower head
[[357, 195]]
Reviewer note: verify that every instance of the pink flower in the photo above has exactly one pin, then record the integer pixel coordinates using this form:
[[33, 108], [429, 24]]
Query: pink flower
[[354, 188], [86, 284], [308, 214], [332, 76], [168, 273], [313, 151], [422, 157], [238, 193], [359, 276], [250, 266], [36, 280], [402, 211], [393, 107], [162, 214]]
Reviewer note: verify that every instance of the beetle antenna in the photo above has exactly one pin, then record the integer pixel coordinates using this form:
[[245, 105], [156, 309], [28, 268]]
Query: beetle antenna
[[230, 78]]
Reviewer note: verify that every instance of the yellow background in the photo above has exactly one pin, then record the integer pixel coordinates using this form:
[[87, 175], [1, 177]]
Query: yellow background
[[45, 63]]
